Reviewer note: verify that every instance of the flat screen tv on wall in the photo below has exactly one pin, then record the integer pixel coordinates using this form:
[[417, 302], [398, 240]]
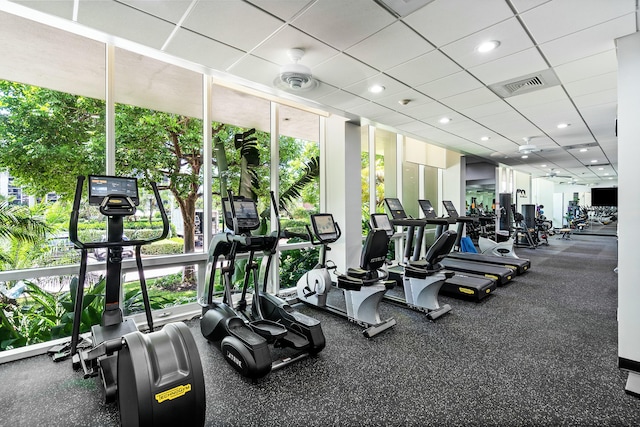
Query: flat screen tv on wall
[[604, 196]]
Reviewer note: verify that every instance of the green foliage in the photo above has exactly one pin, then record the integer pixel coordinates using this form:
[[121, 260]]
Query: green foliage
[[163, 247], [45, 132], [294, 263]]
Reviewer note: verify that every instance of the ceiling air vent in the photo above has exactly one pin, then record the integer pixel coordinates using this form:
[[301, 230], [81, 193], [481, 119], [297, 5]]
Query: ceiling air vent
[[525, 84]]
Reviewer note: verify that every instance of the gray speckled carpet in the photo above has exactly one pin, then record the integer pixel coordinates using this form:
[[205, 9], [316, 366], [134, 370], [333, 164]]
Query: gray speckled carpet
[[541, 351]]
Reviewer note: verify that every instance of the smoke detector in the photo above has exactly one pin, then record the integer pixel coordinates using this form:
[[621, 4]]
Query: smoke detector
[[294, 76]]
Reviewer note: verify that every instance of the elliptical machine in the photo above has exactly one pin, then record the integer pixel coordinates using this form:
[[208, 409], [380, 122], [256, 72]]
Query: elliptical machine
[[244, 335], [363, 287], [157, 377]]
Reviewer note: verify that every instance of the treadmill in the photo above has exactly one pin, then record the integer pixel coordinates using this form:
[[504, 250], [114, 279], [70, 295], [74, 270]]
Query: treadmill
[[519, 265], [461, 285]]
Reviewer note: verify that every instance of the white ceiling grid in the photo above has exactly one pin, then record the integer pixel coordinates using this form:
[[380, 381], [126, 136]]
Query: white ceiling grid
[[427, 57]]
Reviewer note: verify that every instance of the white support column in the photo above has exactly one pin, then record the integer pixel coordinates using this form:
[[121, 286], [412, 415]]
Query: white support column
[[207, 160], [273, 286], [628, 51], [344, 193], [110, 113]]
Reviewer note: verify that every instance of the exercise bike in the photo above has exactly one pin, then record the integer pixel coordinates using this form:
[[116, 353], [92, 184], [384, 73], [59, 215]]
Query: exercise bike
[[157, 377], [363, 287], [422, 279], [245, 335]]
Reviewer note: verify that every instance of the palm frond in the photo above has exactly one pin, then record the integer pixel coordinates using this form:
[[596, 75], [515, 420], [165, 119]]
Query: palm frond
[[311, 172]]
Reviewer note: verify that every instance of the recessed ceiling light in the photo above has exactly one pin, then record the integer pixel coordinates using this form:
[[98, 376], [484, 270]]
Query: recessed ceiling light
[[444, 120], [610, 177], [543, 166], [594, 161], [376, 88], [583, 150], [563, 125], [600, 169], [487, 46], [485, 138], [524, 156]]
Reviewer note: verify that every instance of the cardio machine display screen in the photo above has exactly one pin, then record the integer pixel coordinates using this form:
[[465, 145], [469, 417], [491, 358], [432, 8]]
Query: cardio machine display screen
[[324, 226], [101, 186], [427, 208], [246, 213], [451, 210], [395, 208], [381, 221]]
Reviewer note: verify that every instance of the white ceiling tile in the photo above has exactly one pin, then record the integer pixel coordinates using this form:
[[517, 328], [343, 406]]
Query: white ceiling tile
[[509, 33], [556, 19], [413, 97], [361, 88], [590, 66], [369, 110], [122, 21], [488, 109], [275, 48], [428, 110], [598, 98], [588, 42], [169, 10], [235, 23], [342, 70], [450, 85], [202, 50], [470, 99], [444, 21], [381, 49], [426, 68], [342, 27], [509, 67], [594, 84], [524, 5], [256, 70], [392, 118], [284, 9], [342, 100]]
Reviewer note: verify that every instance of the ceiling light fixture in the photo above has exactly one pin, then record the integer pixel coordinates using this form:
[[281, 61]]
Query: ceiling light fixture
[[600, 169], [583, 150], [524, 156], [487, 46], [376, 88], [485, 138], [444, 120], [594, 161], [543, 166], [563, 125]]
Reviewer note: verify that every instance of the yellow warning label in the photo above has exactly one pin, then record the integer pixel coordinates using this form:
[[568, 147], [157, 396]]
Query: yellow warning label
[[513, 267], [173, 393], [466, 290]]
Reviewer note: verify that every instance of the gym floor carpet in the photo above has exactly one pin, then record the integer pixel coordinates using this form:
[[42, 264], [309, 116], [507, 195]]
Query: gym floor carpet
[[541, 351]]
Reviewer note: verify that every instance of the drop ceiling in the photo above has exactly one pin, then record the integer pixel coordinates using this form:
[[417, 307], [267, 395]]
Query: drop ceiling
[[424, 53]]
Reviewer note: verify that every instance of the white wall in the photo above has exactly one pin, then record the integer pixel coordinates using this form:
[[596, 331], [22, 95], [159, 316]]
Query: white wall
[[628, 51]]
